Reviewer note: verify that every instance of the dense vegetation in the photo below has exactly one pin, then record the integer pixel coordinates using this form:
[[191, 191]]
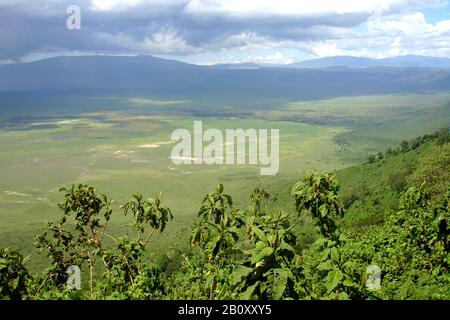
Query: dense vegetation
[[393, 213]]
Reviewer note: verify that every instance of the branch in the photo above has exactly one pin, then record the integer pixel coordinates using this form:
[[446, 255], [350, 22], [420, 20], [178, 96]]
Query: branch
[[148, 237]]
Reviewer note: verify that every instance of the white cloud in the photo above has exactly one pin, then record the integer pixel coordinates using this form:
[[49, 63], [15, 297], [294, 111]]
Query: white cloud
[[409, 24], [409, 34], [117, 5], [276, 58], [6, 61], [387, 36], [253, 8], [298, 7], [165, 41], [113, 4], [327, 49]]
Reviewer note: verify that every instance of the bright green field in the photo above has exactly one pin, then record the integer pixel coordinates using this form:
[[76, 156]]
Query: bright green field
[[122, 152]]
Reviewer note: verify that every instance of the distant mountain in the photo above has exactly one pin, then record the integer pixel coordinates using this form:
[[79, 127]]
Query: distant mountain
[[236, 66], [409, 61], [418, 61], [150, 76], [337, 61]]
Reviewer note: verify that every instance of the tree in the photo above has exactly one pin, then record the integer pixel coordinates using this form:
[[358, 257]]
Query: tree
[[215, 204], [415, 143], [89, 213], [443, 137], [389, 152], [397, 181], [318, 194], [404, 146]]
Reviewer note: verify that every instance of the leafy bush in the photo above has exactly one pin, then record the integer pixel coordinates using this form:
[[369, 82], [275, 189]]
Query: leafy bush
[[397, 181], [13, 275]]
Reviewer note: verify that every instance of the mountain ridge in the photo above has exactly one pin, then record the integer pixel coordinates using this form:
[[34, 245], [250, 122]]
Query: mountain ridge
[[407, 61], [148, 75]]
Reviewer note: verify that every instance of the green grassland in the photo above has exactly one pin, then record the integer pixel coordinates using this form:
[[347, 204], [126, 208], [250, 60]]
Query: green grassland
[[125, 151]]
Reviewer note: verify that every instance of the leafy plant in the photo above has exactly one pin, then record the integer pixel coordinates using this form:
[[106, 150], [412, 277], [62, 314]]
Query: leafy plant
[[13, 275]]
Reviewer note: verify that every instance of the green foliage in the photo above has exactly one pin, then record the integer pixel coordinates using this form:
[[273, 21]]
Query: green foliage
[[13, 275], [78, 244], [79, 238], [148, 212], [404, 146], [397, 181], [443, 137], [371, 158], [268, 272], [434, 170], [217, 230], [215, 204], [318, 193]]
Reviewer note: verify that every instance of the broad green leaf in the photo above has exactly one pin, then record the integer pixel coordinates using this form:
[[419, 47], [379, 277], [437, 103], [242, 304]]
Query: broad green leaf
[[349, 283], [326, 265], [267, 251], [15, 283], [343, 296], [279, 283], [333, 279], [286, 246], [260, 234], [248, 294], [334, 254], [323, 210], [240, 273]]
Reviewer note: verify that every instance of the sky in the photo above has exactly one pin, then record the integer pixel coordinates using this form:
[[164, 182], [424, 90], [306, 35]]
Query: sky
[[225, 31]]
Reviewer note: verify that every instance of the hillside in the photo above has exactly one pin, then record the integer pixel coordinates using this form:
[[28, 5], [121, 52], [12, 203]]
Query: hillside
[[370, 191]]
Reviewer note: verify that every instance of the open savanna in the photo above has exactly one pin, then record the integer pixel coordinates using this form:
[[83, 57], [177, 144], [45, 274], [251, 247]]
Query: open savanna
[[125, 150]]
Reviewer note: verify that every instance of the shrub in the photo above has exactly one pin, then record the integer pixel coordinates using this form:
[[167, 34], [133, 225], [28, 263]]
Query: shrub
[[13, 275], [397, 181], [404, 146]]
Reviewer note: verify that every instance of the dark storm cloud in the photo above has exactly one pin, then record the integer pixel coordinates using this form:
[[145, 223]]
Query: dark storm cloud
[[152, 27], [28, 26]]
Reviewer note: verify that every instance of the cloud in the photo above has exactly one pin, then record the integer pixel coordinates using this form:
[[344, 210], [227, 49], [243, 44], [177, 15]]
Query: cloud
[[105, 5], [6, 61], [164, 41], [262, 29], [392, 35], [264, 8], [276, 58], [123, 5]]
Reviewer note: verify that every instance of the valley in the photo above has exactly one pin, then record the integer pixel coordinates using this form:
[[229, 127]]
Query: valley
[[125, 147]]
